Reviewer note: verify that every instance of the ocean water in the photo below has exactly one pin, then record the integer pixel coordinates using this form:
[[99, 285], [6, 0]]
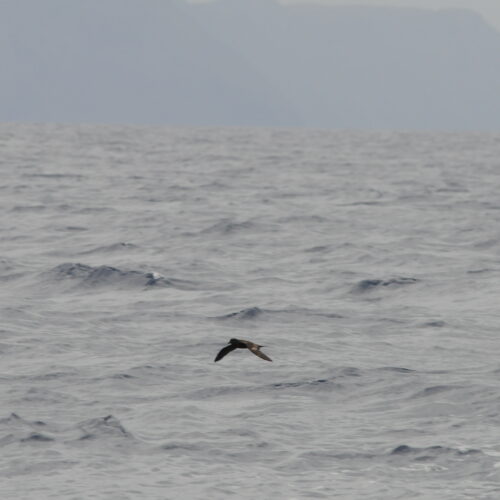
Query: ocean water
[[367, 263]]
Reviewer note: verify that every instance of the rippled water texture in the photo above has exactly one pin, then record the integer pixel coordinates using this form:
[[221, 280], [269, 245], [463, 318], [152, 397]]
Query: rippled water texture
[[366, 263]]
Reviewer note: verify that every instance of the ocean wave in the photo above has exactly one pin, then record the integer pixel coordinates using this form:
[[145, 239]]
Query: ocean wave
[[308, 219], [433, 324], [103, 427], [435, 389], [172, 446], [82, 275], [55, 176], [214, 392], [373, 284], [255, 312], [10, 270], [431, 452], [403, 454], [37, 437], [319, 249], [115, 247], [321, 383], [16, 429], [28, 208], [15, 419], [320, 456], [227, 227], [330, 380], [396, 369], [248, 313]]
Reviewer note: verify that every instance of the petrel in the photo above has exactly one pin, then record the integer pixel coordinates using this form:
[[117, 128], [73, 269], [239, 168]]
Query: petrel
[[242, 344]]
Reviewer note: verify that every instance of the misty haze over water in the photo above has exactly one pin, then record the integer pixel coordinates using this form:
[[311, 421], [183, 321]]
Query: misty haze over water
[[240, 62]]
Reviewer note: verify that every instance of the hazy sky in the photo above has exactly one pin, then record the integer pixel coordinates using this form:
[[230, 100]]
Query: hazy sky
[[489, 9], [251, 63]]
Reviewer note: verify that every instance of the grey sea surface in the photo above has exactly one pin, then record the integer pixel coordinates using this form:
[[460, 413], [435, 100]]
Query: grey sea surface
[[367, 263]]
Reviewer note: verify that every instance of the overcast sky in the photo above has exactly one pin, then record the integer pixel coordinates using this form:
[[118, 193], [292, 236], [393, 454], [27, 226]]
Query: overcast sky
[[489, 9], [251, 63]]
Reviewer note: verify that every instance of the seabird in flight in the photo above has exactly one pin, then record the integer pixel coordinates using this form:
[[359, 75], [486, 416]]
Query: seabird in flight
[[242, 344]]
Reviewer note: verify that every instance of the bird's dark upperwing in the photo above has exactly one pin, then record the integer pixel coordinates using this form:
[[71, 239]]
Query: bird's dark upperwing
[[259, 353], [224, 351]]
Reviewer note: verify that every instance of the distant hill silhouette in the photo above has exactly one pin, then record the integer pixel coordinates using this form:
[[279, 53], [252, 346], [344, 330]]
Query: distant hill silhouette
[[247, 62]]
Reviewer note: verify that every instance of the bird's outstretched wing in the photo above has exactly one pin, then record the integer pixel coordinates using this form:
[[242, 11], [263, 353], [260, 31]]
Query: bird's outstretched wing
[[224, 351], [259, 353]]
